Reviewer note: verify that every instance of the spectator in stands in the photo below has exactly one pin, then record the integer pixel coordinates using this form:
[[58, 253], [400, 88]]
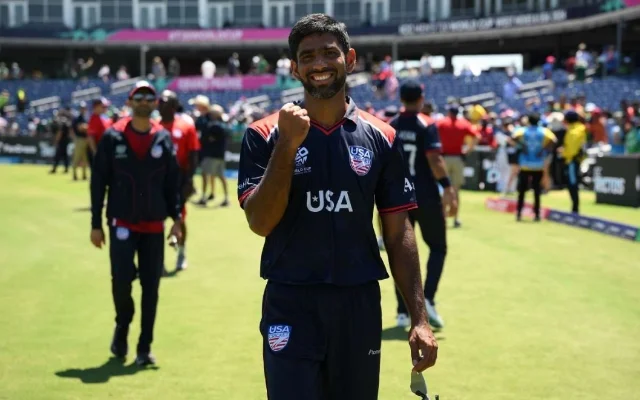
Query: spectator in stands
[[454, 132], [547, 68], [122, 73], [79, 129], [174, 68], [425, 65], [4, 71], [260, 65], [208, 69], [610, 59], [283, 69], [104, 72], [21, 102], [512, 86], [4, 100], [233, 65], [16, 71], [157, 68]]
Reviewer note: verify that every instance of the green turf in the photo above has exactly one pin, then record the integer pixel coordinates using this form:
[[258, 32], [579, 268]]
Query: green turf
[[532, 311]]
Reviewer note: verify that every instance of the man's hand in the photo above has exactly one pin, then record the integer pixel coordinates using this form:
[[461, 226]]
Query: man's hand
[[97, 237], [423, 345], [293, 124], [449, 202], [176, 230]]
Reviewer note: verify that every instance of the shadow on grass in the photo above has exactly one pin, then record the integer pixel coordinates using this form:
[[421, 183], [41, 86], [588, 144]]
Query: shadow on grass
[[396, 333], [82, 209], [102, 374]]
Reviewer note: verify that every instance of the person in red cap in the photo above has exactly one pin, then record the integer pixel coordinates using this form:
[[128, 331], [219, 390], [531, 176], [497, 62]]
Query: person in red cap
[[98, 124], [136, 163], [185, 139]]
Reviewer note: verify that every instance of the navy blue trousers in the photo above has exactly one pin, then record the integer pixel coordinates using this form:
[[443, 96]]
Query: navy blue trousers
[[432, 224], [321, 342]]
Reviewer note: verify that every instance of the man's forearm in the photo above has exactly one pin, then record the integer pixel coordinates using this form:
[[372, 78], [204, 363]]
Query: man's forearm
[[265, 206], [405, 268], [437, 164]]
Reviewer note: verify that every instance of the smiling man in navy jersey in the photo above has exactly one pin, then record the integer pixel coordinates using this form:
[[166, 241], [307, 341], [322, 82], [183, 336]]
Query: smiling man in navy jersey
[[424, 161], [136, 161], [308, 181]]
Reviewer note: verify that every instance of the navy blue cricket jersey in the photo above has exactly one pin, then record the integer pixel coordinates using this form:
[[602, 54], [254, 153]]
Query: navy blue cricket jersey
[[419, 135], [326, 234]]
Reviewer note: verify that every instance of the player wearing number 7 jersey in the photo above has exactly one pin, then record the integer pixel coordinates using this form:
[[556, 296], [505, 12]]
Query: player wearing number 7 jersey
[[422, 150]]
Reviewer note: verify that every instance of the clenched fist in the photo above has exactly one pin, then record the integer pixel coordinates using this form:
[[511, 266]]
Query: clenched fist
[[293, 124]]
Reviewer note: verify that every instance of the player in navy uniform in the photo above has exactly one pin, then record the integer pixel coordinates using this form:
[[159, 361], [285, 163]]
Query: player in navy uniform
[[136, 161], [308, 179], [422, 155]]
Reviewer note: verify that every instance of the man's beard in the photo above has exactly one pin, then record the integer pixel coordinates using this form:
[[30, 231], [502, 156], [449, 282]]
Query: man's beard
[[325, 92], [142, 112]]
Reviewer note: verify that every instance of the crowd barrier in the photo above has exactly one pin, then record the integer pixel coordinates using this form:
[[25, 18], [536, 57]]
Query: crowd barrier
[[33, 150], [606, 227], [616, 179]]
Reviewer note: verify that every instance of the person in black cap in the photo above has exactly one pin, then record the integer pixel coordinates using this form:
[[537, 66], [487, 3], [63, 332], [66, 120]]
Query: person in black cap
[[423, 157], [136, 161]]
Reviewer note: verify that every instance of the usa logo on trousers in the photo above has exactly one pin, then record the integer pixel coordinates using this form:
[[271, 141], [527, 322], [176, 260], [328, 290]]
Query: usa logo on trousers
[[278, 336]]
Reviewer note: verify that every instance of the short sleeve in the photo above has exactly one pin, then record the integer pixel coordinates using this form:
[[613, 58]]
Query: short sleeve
[[472, 132], [549, 137], [254, 157], [395, 191], [432, 139]]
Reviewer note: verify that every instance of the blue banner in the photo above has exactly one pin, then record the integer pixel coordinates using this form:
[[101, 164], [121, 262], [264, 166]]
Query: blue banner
[[609, 228]]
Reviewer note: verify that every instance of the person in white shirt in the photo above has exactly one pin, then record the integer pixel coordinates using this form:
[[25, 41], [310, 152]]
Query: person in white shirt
[[283, 69], [208, 69]]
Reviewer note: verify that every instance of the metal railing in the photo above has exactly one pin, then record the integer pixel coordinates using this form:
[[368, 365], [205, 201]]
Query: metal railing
[[85, 94], [124, 86], [47, 103]]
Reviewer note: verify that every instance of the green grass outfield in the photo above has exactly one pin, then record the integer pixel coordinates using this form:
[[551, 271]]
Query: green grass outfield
[[532, 311]]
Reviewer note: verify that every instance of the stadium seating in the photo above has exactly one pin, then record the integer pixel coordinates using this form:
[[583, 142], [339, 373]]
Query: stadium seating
[[604, 92]]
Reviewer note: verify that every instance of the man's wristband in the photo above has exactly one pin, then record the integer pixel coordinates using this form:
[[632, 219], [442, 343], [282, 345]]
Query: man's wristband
[[444, 182]]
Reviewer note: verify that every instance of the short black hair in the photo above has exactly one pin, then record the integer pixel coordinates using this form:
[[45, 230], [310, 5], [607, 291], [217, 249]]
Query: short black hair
[[534, 118], [317, 24]]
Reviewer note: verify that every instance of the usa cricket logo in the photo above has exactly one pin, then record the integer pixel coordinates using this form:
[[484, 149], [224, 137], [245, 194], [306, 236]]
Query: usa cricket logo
[[278, 336], [360, 159]]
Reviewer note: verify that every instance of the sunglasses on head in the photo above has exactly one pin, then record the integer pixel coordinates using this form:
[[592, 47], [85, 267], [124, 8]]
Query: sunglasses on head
[[144, 96]]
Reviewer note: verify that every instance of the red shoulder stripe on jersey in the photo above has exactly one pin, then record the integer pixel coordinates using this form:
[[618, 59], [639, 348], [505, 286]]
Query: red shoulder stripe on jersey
[[426, 120], [121, 124], [265, 125], [383, 128], [244, 196], [393, 210]]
